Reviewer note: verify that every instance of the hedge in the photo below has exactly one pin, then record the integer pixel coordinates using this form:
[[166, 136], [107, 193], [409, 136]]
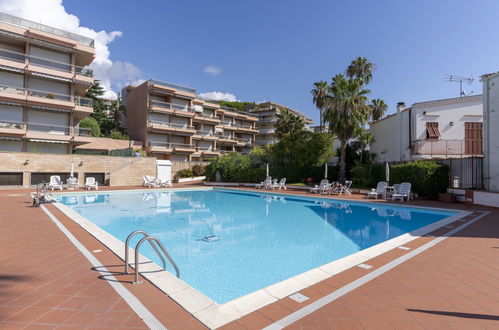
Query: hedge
[[428, 178]]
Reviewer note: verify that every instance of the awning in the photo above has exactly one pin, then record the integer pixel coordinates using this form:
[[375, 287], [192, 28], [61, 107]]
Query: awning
[[48, 141], [11, 103], [49, 76], [9, 68], [38, 107], [10, 138]]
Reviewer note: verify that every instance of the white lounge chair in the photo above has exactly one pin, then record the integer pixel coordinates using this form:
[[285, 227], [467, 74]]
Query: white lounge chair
[[404, 192], [72, 183], [270, 185], [55, 182], [164, 183], [263, 184], [91, 183], [380, 190], [320, 187], [150, 181], [279, 185], [345, 188]]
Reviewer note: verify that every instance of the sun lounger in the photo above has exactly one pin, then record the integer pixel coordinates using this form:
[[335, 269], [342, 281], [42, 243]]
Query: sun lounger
[[150, 181], [404, 192], [320, 187], [55, 182], [379, 191], [91, 183], [279, 185]]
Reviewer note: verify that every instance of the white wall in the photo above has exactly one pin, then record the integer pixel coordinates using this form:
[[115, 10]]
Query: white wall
[[391, 138], [491, 133]]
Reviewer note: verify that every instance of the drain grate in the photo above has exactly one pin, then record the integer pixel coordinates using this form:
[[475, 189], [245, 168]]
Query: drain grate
[[298, 297]]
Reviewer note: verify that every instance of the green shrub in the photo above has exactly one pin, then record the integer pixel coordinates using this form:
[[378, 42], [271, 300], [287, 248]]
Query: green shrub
[[90, 122], [117, 135], [185, 173], [228, 166], [198, 170], [428, 178], [367, 175]]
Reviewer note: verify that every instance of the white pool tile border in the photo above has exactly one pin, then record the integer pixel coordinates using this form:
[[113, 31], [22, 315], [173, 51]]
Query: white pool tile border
[[215, 315]]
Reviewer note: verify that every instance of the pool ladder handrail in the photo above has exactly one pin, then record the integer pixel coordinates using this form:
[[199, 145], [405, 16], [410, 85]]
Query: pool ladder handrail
[[151, 240]]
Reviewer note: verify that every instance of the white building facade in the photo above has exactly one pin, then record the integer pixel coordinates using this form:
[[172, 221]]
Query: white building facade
[[449, 128], [491, 135]]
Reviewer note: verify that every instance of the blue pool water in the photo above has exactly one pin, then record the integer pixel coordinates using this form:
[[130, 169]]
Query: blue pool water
[[263, 238]]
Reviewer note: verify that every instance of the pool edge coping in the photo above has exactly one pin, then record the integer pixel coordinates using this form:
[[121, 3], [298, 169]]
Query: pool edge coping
[[215, 315]]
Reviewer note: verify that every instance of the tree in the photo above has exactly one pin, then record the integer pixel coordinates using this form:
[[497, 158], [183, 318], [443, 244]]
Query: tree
[[378, 108], [92, 124], [117, 135], [288, 122], [346, 112], [116, 113], [364, 138], [95, 92], [361, 69], [320, 98]]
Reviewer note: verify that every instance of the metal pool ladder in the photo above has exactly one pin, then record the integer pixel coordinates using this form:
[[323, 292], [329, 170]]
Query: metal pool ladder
[[152, 240]]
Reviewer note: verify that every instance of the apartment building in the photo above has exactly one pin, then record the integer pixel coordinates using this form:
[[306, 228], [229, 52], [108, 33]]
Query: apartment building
[[43, 80], [448, 128], [174, 124], [267, 117]]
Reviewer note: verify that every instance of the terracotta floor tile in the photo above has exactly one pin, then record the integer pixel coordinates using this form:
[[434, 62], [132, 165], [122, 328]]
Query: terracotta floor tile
[[376, 324], [56, 316], [275, 311], [27, 315], [254, 320], [83, 318], [345, 324], [51, 301]]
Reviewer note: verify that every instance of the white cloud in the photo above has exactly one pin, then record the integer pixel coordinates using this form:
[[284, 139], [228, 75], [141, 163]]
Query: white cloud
[[213, 70], [52, 13], [218, 96]]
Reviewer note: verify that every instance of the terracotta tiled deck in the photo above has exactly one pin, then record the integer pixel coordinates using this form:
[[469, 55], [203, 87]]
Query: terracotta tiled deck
[[45, 282]]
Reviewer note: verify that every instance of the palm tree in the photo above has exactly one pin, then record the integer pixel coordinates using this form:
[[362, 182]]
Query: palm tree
[[321, 95], [364, 138], [361, 69], [378, 108], [288, 122], [347, 110]]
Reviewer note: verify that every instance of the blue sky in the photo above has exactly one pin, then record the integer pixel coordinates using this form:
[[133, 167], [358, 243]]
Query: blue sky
[[275, 50]]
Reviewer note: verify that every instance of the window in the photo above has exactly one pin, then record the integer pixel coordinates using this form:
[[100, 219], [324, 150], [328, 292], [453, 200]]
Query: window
[[11, 179], [432, 132]]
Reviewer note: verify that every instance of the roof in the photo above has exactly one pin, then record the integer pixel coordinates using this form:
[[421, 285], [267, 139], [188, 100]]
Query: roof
[[489, 75], [454, 100]]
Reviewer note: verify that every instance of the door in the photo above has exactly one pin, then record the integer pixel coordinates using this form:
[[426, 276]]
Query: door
[[473, 144], [164, 169]]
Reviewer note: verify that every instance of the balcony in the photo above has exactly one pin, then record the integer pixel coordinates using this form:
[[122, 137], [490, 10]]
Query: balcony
[[243, 141], [206, 135], [45, 65], [13, 20], [44, 97], [12, 128], [207, 118], [178, 110], [267, 131], [227, 139], [446, 148], [171, 127]]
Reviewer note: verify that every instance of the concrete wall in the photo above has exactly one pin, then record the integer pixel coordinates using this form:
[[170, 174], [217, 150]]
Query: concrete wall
[[491, 135], [391, 138], [180, 165], [121, 171]]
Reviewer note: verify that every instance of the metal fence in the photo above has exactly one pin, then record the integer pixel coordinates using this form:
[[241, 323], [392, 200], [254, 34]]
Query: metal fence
[[464, 173]]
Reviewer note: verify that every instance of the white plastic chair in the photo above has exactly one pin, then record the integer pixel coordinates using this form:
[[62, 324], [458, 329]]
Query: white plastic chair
[[280, 185], [380, 190], [72, 183], [55, 182], [90, 183], [345, 188], [150, 181], [404, 192], [320, 187]]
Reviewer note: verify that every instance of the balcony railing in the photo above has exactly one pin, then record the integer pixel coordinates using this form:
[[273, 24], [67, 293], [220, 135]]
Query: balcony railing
[[175, 86], [14, 20], [212, 116], [45, 62], [171, 125], [171, 145], [243, 140], [205, 133], [83, 131], [79, 100], [172, 106], [50, 129], [447, 147], [12, 124]]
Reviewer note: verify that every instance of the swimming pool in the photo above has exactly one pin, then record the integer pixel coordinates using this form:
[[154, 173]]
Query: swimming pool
[[257, 239]]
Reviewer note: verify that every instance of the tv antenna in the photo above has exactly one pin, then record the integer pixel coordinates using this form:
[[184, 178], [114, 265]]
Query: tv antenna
[[460, 79]]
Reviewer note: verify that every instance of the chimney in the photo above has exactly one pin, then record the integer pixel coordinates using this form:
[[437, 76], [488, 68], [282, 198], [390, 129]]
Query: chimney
[[400, 106]]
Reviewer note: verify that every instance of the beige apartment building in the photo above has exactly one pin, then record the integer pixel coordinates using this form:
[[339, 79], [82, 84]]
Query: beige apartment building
[[267, 117], [173, 124], [43, 80]]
